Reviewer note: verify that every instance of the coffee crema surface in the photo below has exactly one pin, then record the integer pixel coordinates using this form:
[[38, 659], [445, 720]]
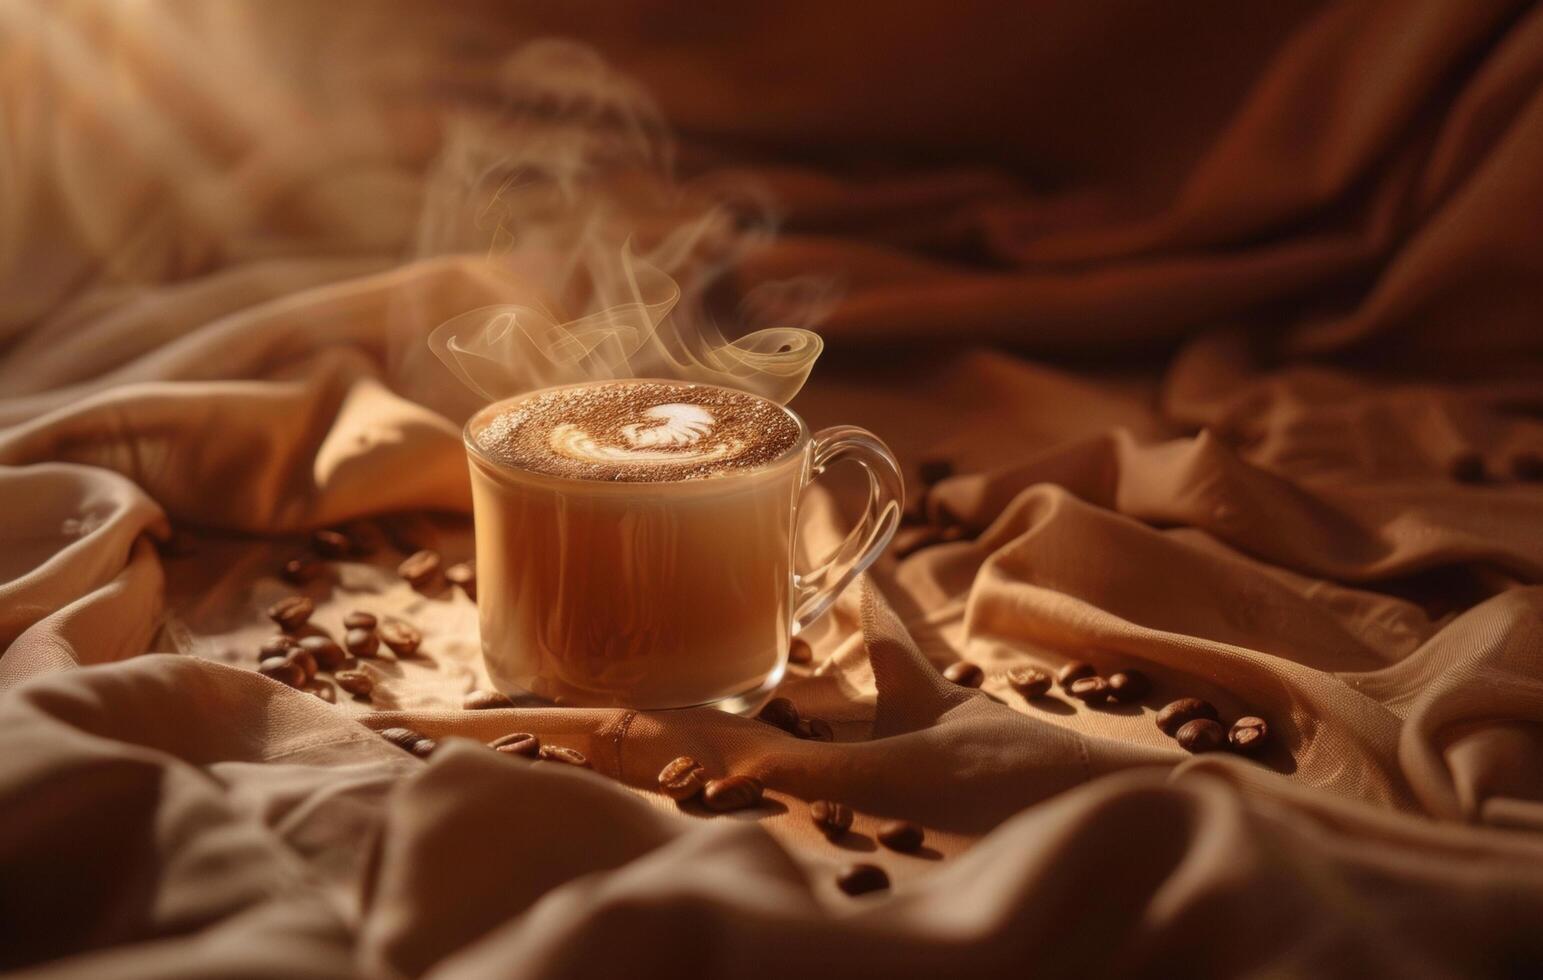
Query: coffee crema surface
[[639, 432]]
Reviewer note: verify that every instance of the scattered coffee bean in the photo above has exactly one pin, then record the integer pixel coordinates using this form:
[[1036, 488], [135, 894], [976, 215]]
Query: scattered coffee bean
[[1528, 466], [814, 730], [306, 659], [1128, 686], [563, 754], [518, 743], [486, 700], [964, 673], [1031, 682], [1248, 734], [682, 779], [276, 646], [402, 638], [291, 612], [284, 670], [355, 682], [935, 471], [1177, 713], [1201, 735], [299, 571], [331, 544], [833, 819], [362, 642], [1076, 670], [900, 835], [780, 713], [359, 620], [860, 879], [329, 656], [402, 738], [420, 568], [1466, 467], [424, 747], [800, 652], [1089, 690], [732, 793], [463, 574]]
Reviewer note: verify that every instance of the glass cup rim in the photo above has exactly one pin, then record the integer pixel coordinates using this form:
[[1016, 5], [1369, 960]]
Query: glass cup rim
[[476, 452]]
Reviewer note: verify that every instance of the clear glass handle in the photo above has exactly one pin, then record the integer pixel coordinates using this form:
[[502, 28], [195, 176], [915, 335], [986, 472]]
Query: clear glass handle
[[815, 590]]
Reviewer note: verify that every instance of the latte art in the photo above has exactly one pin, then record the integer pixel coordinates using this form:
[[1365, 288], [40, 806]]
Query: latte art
[[676, 425], [670, 439], [639, 431]]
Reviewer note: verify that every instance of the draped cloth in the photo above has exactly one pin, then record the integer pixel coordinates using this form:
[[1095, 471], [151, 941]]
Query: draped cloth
[[1227, 319]]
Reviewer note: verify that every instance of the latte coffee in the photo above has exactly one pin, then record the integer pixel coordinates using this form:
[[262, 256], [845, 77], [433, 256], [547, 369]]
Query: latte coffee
[[639, 432], [635, 541]]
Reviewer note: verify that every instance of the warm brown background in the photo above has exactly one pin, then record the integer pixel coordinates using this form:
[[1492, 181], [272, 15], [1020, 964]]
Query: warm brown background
[[1203, 301]]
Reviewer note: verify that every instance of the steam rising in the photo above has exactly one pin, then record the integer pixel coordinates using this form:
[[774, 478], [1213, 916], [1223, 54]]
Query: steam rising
[[608, 261]]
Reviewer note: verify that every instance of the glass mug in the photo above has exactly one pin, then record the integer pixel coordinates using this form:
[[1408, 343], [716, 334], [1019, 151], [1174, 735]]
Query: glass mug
[[660, 594]]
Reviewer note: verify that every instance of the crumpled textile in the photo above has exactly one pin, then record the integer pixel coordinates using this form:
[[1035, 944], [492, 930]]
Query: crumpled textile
[[1215, 323]]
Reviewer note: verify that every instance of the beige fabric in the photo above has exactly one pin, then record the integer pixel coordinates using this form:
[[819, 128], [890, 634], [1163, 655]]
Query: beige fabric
[[209, 324]]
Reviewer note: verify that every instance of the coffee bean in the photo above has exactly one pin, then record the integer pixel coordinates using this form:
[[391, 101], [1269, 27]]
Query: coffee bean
[[935, 471], [402, 738], [563, 754], [355, 682], [964, 673], [276, 646], [1177, 713], [291, 612], [359, 620], [420, 568], [465, 575], [682, 779], [331, 544], [1128, 686], [800, 652], [486, 700], [732, 793], [1248, 734], [424, 747], [362, 642], [306, 659], [284, 670], [1031, 682], [900, 835], [402, 638], [1075, 670], [860, 879], [299, 571], [329, 656], [814, 730], [834, 819], [780, 713], [1201, 735], [518, 743], [1528, 466], [1089, 690]]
